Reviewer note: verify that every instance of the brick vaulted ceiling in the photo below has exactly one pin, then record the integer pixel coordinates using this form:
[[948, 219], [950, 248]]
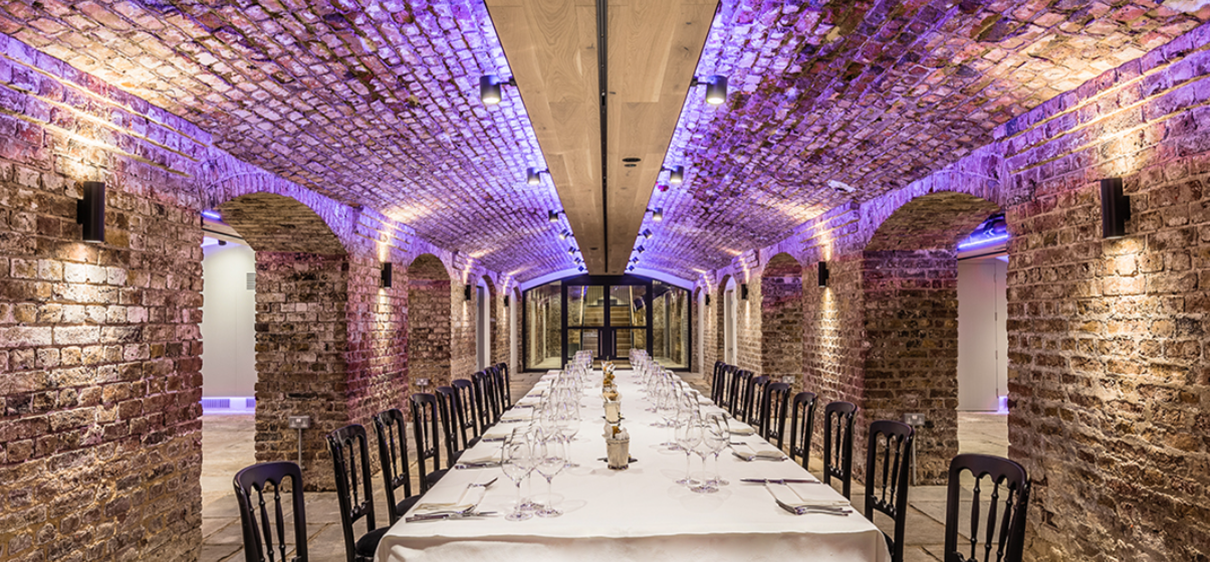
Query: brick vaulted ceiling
[[871, 94], [375, 102]]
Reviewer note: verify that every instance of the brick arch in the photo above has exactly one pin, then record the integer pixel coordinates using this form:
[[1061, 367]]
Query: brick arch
[[933, 221], [429, 327], [781, 317], [277, 223], [909, 295]]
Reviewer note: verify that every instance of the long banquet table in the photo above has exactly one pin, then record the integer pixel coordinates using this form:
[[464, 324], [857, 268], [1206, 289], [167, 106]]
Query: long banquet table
[[637, 514]]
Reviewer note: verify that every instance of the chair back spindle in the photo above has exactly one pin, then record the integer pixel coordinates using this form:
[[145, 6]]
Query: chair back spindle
[[838, 444], [264, 522], [391, 430], [1003, 531], [773, 409], [889, 449]]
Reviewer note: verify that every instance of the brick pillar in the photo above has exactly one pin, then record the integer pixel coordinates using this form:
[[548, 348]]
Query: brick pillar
[[429, 322], [911, 322], [301, 344], [781, 310]]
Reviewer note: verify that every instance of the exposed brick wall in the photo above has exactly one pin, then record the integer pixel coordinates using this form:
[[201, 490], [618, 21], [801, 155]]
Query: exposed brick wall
[[1107, 338], [462, 331], [99, 344], [100, 441], [781, 311], [911, 324], [429, 341]]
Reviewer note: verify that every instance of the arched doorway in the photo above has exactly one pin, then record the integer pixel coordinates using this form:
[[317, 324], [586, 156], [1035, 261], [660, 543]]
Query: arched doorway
[[301, 284], [728, 321], [910, 300], [429, 335], [781, 313]]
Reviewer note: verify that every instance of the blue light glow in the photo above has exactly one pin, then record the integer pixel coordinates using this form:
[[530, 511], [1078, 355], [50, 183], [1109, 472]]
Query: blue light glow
[[1003, 409], [212, 215], [980, 242]]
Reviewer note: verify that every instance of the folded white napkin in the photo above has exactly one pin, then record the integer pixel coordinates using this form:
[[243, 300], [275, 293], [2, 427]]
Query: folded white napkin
[[450, 498], [800, 495], [518, 414], [493, 456], [760, 449], [498, 432], [739, 428]]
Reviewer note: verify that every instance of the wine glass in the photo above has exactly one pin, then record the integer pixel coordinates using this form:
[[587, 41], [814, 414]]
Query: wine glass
[[517, 462], [688, 434], [552, 458], [719, 439]]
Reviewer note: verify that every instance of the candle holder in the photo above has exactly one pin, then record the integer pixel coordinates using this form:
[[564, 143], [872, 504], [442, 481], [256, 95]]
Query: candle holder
[[617, 447]]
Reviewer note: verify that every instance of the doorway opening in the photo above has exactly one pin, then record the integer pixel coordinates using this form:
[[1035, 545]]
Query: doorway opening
[[983, 339]]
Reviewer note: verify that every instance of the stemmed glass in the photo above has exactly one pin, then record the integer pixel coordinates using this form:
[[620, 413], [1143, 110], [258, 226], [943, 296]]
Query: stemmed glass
[[518, 461], [688, 434], [552, 458], [719, 438]]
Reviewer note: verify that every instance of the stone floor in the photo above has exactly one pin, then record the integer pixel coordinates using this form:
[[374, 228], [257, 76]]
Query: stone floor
[[227, 447]]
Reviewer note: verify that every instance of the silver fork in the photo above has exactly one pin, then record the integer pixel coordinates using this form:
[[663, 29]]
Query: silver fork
[[484, 484], [805, 509]]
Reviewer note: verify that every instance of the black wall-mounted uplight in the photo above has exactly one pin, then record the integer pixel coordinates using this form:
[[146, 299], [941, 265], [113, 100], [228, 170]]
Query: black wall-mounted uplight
[[466, 292], [823, 274], [533, 176], [743, 291], [90, 212], [505, 301], [491, 89], [1115, 208], [386, 275], [707, 299], [676, 175], [716, 88]]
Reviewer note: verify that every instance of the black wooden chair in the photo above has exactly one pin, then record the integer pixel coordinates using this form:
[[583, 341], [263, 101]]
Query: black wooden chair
[[717, 380], [476, 417], [355, 491], [740, 386], [508, 382], [802, 426], [498, 387], [838, 444], [886, 490], [1004, 534], [391, 430], [774, 404], [484, 396], [754, 398], [265, 528], [426, 427], [451, 423]]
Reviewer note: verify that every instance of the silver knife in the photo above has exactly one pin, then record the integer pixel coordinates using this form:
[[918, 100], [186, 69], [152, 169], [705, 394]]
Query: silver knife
[[443, 516], [778, 481]]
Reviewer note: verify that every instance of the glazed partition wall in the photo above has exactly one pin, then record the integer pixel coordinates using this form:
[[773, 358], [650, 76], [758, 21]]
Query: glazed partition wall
[[608, 315]]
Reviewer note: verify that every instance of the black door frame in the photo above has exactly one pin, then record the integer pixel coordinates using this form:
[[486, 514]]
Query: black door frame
[[608, 331]]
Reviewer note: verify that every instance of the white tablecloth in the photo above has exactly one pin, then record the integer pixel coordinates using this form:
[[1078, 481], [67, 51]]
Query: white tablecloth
[[638, 514]]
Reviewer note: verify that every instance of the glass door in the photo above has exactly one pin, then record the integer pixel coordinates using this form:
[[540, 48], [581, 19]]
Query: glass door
[[606, 315]]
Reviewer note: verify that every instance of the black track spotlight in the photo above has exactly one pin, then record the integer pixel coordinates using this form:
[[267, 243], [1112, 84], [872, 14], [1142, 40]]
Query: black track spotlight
[[571, 250], [491, 89], [90, 212], [640, 249], [581, 268], [676, 175], [716, 88], [1115, 208], [634, 259], [647, 234], [657, 214], [552, 216], [823, 274], [386, 275], [563, 235], [533, 176]]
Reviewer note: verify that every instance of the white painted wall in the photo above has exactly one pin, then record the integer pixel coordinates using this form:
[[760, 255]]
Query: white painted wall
[[228, 321], [982, 334]]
